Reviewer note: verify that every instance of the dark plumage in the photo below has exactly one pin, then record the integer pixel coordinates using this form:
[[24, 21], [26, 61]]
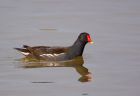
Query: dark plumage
[[57, 53]]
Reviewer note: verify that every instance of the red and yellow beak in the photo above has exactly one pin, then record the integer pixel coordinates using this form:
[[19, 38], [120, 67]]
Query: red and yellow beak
[[89, 39]]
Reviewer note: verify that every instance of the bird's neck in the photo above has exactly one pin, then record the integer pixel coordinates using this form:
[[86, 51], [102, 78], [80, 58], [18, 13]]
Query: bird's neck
[[76, 49]]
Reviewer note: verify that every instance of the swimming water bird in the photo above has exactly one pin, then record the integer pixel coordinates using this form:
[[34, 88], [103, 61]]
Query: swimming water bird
[[57, 53]]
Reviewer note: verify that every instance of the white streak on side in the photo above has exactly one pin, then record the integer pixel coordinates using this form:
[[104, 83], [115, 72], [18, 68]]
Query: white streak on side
[[51, 55], [47, 55], [25, 53], [58, 54]]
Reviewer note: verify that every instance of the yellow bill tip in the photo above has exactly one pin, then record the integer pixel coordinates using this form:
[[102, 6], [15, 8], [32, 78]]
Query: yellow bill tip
[[91, 42]]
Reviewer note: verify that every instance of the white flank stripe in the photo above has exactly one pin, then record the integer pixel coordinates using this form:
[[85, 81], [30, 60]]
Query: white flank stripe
[[25, 53], [51, 55]]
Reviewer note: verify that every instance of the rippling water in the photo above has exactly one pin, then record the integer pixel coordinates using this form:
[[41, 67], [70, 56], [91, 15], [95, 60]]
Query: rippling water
[[112, 63]]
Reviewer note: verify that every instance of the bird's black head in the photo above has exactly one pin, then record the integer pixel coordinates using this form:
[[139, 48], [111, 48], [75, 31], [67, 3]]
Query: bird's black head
[[85, 37], [78, 47]]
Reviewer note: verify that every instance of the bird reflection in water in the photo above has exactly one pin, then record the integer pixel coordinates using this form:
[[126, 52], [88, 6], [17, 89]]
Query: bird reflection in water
[[76, 63]]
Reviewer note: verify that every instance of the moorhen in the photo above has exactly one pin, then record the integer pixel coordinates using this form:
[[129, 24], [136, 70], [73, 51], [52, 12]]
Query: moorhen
[[57, 53]]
